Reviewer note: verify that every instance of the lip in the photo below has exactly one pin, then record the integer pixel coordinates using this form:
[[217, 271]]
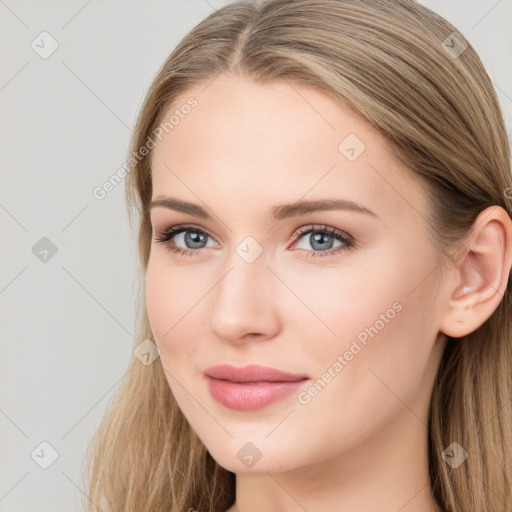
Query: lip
[[251, 387], [251, 373]]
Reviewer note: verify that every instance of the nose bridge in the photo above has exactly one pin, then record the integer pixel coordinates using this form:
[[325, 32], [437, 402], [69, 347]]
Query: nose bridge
[[246, 263], [243, 299], [244, 279]]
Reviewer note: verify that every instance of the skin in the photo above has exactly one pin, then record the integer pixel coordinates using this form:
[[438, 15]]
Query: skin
[[360, 444]]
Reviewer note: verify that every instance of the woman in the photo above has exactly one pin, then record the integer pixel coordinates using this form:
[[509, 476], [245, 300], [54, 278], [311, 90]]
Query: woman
[[322, 197]]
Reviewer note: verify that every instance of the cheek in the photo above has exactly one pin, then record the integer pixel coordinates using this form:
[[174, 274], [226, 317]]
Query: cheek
[[159, 297], [338, 304], [166, 301], [384, 332], [175, 303]]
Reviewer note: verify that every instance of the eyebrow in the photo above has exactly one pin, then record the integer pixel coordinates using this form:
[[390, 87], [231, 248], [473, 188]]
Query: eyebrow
[[276, 213]]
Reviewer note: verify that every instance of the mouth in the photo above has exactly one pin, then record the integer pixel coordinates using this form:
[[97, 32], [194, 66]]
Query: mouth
[[251, 387]]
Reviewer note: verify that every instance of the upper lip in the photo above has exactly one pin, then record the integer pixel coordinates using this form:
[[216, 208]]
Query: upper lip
[[251, 373]]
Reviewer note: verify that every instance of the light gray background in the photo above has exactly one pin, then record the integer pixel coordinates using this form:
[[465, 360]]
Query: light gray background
[[67, 324]]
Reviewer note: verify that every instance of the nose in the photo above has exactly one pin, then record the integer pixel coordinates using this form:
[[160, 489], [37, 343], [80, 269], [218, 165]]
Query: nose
[[245, 303]]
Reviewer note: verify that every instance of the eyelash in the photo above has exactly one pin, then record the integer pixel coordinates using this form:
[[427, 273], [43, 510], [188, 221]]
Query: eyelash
[[348, 241]]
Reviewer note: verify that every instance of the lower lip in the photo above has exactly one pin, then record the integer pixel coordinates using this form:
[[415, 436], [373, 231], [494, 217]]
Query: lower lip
[[253, 395]]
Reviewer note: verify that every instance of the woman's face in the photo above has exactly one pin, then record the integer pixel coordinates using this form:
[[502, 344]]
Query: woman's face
[[354, 309]]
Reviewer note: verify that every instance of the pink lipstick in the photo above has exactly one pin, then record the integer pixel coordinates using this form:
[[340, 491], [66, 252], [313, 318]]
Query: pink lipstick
[[251, 387]]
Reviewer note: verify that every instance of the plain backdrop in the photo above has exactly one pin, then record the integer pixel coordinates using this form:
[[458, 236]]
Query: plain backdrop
[[67, 269]]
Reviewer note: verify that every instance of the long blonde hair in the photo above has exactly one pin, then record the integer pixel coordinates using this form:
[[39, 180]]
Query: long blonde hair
[[408, 72]]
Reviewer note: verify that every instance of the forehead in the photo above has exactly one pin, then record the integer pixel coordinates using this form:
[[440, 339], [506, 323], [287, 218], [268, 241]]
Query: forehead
[[256, 144]]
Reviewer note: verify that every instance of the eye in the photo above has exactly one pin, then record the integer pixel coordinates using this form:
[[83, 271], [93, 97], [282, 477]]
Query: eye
[[186, 234], [321, 239]]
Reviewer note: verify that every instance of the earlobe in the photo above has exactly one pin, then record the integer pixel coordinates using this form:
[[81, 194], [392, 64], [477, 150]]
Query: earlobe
[[483, 273]]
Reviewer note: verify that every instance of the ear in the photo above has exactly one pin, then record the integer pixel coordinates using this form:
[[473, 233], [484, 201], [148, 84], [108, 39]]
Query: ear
[[482, 273]]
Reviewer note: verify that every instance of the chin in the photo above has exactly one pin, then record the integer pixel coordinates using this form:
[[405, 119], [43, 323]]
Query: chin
[[243, 456]]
